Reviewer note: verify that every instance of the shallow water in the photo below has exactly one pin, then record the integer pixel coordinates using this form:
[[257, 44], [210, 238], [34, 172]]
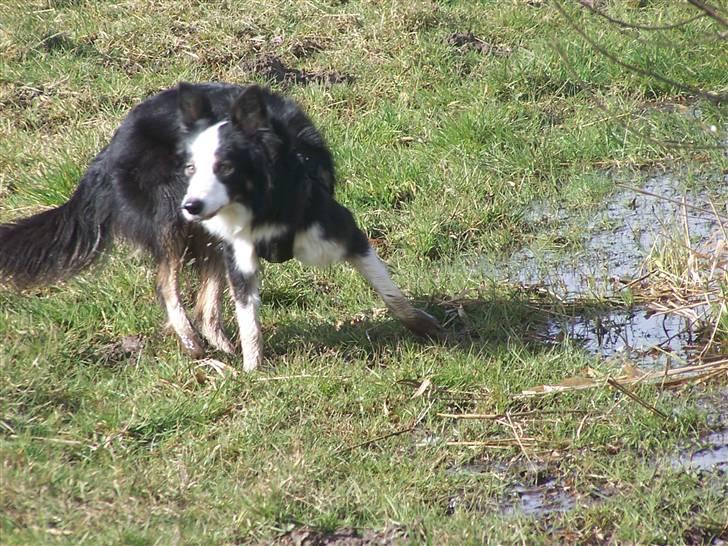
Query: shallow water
[[616, 239], [615, 243]]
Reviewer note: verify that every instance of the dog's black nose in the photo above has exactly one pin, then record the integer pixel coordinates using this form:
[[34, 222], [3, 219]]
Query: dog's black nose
[[193, 206]]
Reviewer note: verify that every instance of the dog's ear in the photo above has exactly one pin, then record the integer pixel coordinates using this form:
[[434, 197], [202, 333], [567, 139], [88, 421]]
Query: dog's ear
[[249, 113], [193, 104]]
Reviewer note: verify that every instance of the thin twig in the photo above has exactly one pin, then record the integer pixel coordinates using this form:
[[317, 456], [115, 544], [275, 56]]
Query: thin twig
[[509, 443], [505, 444], [58, 441], [399, 432], [637, 399], [715, 330], [517, 414], [676, 376], [287, 377], [518, 438], [638, 280]]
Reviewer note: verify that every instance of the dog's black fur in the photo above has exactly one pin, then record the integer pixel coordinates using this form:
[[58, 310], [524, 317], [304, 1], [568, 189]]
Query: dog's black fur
[[135, 186]]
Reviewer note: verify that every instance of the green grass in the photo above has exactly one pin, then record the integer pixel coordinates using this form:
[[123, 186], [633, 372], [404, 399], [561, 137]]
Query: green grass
[[441, 152]]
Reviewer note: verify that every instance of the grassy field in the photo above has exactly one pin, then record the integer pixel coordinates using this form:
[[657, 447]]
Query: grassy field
[[449, 121]]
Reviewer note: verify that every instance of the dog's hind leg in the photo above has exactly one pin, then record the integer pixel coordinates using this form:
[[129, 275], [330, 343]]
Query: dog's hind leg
[[168, 290], [208, 309], [347, 241], [375, 272]]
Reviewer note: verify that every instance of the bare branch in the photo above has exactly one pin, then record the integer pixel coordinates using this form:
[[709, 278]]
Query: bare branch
[[660, 143], [710, 11], [625, 24], [687, 88]]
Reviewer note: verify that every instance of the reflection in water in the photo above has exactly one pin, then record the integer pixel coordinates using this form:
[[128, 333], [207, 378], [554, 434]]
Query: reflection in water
[[637, 334]]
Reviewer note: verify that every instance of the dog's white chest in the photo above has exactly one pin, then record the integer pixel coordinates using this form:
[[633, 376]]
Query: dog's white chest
[[230, 222], [312, 248]]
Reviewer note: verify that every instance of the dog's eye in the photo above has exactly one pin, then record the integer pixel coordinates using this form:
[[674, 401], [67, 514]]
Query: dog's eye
[[189, 169], [225, 169]]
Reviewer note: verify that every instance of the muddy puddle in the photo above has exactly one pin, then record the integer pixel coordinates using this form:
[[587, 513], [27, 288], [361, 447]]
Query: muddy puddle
[[710, 455], [614, 244], [347, 536], [534, 493], [541, 490], [538, 501]]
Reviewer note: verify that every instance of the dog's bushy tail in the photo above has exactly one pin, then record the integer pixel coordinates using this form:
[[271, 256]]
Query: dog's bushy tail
[[58, 243]]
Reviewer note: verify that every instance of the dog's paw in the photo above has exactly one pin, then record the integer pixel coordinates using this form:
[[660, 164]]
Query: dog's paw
[[425, 325], [252, 358], [251, 365], [192, 346]]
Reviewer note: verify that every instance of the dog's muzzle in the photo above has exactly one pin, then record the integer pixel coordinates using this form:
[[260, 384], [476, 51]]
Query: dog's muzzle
[[193, 207], [193, 210]]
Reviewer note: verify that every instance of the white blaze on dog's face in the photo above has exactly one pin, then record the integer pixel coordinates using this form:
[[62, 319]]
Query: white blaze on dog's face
[[206, 193], [227, 161]]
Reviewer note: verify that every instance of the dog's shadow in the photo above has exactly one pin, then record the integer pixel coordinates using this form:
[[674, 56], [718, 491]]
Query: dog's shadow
[[472, 324]]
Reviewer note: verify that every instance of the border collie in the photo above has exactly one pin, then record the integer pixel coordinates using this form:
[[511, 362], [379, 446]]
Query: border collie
[[214, 174]]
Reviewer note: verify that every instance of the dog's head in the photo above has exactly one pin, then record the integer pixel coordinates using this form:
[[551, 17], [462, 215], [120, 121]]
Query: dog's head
[[230, 160]]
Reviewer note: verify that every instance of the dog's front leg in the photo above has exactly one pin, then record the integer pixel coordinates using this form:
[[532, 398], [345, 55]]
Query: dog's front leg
[[242, 268]]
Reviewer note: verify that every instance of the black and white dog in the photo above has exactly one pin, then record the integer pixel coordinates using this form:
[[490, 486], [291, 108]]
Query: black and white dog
[[217, 175]]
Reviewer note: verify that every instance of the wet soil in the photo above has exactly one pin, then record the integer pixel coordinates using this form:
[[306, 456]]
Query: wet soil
[[547, 498], [273, 69], [306, 536], [120, 351], [467, 41], [709, 454], [536, 501], [305, 48], [541, 489]]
